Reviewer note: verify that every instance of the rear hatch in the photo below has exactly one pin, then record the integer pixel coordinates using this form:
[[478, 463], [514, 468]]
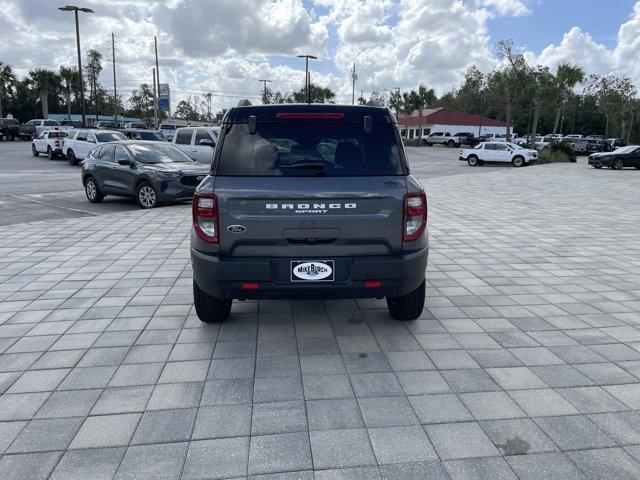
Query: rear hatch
[[310, 187]]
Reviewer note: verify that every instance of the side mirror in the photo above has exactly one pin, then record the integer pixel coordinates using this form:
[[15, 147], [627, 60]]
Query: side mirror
[[125, 161], [208, 142]]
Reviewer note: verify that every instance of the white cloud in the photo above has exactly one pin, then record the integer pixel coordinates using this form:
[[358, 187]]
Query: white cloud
[[514, 8]]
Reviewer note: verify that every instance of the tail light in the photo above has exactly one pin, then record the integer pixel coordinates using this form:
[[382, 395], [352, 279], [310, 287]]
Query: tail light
[[415, 216], [205, 217]]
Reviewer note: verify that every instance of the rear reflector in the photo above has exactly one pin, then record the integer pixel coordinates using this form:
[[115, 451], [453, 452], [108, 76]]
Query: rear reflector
[[310, 116], [250, 286], [372, 284]]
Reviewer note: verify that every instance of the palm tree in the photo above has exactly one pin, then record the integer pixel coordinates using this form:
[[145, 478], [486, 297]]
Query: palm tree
[[70, 79], [7, 81], [422, 99], [44, 81], [567, 76], [541, 85], [510, 79], [407, 106]]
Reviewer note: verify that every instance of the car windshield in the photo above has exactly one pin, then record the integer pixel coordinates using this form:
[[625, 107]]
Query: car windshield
[[109, 137], [312, 148], [154, 153], [513, 145], [57, 134], [167, 127], [628, 149]]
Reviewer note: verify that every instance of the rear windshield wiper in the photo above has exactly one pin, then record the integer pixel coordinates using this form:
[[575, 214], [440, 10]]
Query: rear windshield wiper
[[320, 168]]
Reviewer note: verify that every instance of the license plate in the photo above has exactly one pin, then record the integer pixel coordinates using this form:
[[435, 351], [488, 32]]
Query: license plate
[[312, 271]]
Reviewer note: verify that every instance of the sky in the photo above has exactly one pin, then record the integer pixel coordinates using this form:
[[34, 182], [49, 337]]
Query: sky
[[227, 46]]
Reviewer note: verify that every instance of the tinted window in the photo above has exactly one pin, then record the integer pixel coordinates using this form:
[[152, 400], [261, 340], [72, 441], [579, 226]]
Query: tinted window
[[202, 135], [31, 122], [489, 146], [183, 137], [158, 153], [294, 149], [106, 153], [167, 127], [82, 136], [149, 135], [50, 123], [57, 134], [110, 137], [501, 146]]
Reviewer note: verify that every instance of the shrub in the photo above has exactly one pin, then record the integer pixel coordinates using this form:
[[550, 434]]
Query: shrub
[[412, 142], [557, 152]]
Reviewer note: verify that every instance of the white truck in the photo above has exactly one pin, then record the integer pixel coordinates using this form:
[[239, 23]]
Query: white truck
[[442, 138], [197, 142], [498, 152]]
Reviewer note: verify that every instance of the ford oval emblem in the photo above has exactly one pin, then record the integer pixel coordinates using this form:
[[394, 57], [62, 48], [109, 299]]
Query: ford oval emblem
[[236, 228], [200, 178]]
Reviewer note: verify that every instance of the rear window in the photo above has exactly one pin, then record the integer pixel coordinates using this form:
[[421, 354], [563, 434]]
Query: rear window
[[110, 137], [309, 149]]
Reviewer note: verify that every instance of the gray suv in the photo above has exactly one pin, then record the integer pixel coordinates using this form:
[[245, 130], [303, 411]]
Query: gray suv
[[309, 202]]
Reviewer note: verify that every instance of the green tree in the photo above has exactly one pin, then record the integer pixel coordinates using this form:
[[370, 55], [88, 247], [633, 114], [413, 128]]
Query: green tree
[[567, 76], [92, 71], [44, 82], [141, 101], [7, 83], [539, 88], [395, 101], [422, 99], [317, 94], [69, 78]]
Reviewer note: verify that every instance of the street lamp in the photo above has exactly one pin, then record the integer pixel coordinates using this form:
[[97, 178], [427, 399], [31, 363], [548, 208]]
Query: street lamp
[[307, 80], [75, 10]]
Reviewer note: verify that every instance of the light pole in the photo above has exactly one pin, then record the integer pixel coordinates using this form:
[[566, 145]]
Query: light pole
[[264, 90], [307, 80], [75, 10]]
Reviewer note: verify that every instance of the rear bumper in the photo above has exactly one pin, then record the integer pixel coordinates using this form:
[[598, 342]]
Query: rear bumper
[[223, 277]]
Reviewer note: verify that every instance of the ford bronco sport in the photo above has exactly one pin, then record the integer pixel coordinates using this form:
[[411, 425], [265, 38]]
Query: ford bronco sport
[[309, 202]]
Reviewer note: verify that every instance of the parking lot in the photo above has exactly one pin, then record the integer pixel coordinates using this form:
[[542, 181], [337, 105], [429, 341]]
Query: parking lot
[[524, 365]]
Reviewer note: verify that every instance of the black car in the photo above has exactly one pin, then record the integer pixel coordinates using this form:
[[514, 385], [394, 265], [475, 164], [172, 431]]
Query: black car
[[618, 159], [9, 128], [140, 134], [151, 172], [468, 138]]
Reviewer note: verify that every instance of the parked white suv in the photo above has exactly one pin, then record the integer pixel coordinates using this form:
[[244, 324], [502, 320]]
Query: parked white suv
[[498, 152], [49, 142], [80, 142], [197, 142]]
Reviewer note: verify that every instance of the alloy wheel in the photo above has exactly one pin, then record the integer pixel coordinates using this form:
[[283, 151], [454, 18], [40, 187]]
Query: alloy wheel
[[147, 196]]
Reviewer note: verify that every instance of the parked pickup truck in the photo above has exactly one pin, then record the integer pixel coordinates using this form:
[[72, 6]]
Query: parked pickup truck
[[35, 127], [443, 138], [467, 138], [9, 128]]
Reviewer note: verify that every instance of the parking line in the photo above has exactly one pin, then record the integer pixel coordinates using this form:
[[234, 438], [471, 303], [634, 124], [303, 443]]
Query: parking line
[[53, 205]]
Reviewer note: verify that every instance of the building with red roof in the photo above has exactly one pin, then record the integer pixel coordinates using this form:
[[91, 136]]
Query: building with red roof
[[447, 120]]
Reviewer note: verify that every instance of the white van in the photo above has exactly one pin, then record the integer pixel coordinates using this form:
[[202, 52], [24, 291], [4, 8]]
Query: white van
[[197, 142], [80, 142]]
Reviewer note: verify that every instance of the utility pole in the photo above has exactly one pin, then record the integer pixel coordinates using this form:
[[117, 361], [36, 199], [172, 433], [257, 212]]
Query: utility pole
[[75, 9], [354, 77], [115, 87], [155, 101], [157, 77], [264, 91]]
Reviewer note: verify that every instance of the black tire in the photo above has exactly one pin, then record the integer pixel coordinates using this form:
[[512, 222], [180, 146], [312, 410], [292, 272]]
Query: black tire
[[473, 161], [597, 166], [518, 161], [424, 143], [71, 157], [429, 144], [146, 195], [91, 190], [10, 138], [617, 164], [34, 152], [50, 153], [408, 307], [451, 144], [210, 309]]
